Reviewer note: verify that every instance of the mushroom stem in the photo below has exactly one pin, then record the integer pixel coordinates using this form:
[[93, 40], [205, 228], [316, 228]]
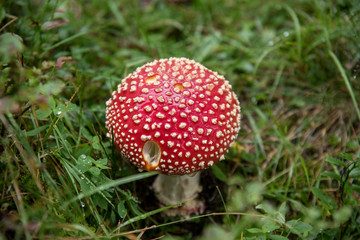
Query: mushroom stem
[[176, 189]]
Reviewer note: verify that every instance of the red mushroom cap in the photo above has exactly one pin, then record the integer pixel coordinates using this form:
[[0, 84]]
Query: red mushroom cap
[[174, 116]]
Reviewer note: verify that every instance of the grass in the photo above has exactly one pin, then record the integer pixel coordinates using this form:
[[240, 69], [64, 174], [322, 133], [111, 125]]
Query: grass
[[292, 174]]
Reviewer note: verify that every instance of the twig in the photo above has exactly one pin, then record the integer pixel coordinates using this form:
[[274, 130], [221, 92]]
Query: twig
[[13, 19]]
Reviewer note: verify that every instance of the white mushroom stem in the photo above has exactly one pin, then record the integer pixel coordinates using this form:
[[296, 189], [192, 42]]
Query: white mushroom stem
[[176, 189]]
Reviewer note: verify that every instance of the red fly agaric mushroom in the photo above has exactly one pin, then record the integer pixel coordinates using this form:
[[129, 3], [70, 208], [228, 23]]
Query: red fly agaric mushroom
[[176, 117]]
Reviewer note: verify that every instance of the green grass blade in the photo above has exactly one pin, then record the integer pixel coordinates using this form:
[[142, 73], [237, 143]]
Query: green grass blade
[[346, 80], [81, 228], [111, 184], [303, 164], [297, 30], [262, 57], [145, 215], [257, 135], [66, 40]]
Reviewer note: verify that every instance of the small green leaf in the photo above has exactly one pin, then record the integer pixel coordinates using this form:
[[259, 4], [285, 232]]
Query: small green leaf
[[84, 159], [280, 215], [248, 157], [51, 102], [269, 227], [85, 184], [51, 88], [254, 192], [353, 144], [102, 166], [83, 168], [277, 237], [10, 45], [355, 187], [35, 131], [325, 199], [355, 173], [332, 175], [134, 208], [346, 156], [2, 13], [121, 209], [63, 109], [83, 163], [266, 208], [219, 173], [101, 163], [94, 170], [100, 201], [95, 143], [86, 134], [255, 230], [335, 161], [299, 228], [43, 113], [343, 214]]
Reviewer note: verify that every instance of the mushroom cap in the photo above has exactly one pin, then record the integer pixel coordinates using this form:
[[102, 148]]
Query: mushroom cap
[[174, 116]]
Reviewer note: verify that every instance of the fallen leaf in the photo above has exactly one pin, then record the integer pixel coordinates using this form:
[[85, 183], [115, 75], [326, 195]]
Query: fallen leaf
[[61, 60], [53, 24]]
